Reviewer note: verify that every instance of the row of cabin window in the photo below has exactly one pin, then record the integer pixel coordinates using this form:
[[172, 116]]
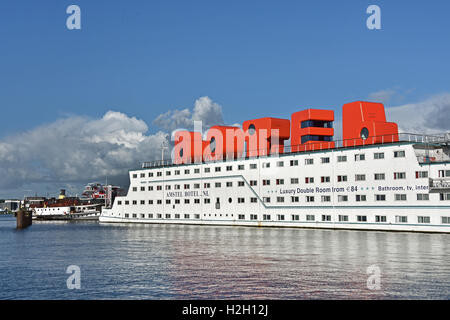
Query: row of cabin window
[[296, 199], [344, 218], [160, 216], [358, 198], [294, 217], [266, 182], [309, 161]]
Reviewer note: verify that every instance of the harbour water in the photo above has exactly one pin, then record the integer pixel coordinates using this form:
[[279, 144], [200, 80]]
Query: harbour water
[[207, 262]]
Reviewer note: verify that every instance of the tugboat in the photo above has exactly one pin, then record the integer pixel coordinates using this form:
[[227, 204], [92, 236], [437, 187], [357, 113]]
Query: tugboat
[[68, 208], [89, 206]]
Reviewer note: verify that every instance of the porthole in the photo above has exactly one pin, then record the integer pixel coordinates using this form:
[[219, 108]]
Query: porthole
[[251, 129], [212, 144], [364, 133]]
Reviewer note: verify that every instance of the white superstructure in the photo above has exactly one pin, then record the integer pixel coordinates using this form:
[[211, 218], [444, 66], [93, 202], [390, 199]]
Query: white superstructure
[[401, 186]]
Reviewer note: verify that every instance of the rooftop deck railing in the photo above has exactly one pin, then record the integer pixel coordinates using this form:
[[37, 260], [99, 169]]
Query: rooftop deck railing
[[324, 145]]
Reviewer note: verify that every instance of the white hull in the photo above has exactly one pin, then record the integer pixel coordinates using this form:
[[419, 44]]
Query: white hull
[[433, 228]]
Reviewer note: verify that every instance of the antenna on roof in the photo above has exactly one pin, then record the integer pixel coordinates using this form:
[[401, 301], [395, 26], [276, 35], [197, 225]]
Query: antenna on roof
[[163, 147]]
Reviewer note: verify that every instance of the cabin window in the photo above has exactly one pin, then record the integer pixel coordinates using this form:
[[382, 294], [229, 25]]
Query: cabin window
[[378, 155], [421, 174], [399, 154], [400, 197], [422, 219], [401, 219], [379, 176], [423, 196], [399, 175], [361, 197], [309, 180], [361, 218]]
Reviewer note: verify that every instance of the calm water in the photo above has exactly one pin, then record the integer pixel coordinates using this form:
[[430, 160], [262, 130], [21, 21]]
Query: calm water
[[194, 262]]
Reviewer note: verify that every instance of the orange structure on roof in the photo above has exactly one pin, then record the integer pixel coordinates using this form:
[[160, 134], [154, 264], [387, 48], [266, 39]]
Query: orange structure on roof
[[312, 129], [224, 142], [188, 147], [265, 136], [365, 123]]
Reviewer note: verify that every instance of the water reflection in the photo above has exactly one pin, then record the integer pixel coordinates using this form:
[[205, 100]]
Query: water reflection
[[195, 262]]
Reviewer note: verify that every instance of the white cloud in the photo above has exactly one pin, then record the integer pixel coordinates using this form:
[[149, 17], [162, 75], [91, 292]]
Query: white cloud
[[205, 110], [382, 96], [77, 149], [430, 116]]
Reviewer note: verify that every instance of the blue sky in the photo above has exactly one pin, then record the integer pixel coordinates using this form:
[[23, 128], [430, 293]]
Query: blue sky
[[253, 58]]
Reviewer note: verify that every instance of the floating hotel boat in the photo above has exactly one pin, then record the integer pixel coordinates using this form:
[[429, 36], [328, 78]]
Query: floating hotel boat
[[375, 178]]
